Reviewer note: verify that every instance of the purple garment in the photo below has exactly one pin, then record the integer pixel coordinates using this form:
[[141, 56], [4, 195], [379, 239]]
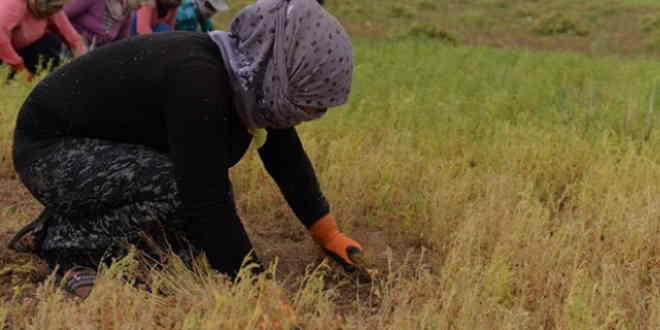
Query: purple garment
[[90, 18], [283, 55]]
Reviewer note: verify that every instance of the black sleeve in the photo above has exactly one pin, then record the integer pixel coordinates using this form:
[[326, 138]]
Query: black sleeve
[[198, 140], [286, 161]]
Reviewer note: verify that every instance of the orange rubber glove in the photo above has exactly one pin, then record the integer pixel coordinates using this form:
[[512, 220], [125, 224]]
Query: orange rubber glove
[[326, 234]]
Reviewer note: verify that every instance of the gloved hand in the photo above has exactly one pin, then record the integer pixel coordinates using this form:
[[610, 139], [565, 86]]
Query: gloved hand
[[335, 243]]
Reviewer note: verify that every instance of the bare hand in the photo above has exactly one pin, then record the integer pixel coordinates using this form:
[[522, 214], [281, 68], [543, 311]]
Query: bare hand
[[80, 51], [19, 68]]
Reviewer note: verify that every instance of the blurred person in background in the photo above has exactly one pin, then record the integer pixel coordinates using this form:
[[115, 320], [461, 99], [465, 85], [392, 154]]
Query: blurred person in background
[[195, 15], [117, 150], [154, 16], [31, 33], [101, 21]]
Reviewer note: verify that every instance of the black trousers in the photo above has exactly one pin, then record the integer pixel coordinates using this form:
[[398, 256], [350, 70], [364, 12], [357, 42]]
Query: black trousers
[[42, 54], [99, 195]]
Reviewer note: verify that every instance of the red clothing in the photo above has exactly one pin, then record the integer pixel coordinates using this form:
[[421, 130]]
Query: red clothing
[[147, 16], [19, 28]]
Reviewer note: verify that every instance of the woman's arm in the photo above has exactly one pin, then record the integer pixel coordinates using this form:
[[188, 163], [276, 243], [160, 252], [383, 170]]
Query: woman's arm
[[199, 147], [77, 7], [286, 161], [144, 16], [63, 27], [11, 14], [125, 26]]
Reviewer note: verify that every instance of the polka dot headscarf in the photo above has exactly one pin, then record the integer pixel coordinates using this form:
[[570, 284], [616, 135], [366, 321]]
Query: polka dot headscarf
[[283, 56]]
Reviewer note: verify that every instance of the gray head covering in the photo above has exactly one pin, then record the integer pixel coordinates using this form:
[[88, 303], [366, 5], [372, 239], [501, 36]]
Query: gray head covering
[[282, 56]]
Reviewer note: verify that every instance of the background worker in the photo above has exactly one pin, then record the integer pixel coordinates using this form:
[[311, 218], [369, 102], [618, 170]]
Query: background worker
[[196, 15], [31, 33], [101, 21], [154, 16]]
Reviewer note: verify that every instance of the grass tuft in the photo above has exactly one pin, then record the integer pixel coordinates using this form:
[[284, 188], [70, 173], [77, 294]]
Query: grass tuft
[[431, 31], [558, 23]]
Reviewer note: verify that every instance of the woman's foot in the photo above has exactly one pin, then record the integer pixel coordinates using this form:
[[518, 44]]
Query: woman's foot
[[29, 238], [79, 281]]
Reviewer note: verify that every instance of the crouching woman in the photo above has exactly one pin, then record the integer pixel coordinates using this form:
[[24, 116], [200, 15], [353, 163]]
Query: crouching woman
[[125, 141]]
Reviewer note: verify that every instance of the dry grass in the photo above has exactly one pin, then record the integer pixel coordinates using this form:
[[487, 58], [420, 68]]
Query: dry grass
[[13, 95]]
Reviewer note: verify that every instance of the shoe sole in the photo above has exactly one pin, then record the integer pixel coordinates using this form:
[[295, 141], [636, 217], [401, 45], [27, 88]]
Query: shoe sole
[[32, 226]]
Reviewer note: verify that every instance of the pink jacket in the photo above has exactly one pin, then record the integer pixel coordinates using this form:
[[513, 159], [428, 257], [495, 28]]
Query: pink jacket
[[19, 28]]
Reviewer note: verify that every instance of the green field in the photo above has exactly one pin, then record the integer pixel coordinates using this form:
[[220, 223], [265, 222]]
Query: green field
[[507, 187]]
